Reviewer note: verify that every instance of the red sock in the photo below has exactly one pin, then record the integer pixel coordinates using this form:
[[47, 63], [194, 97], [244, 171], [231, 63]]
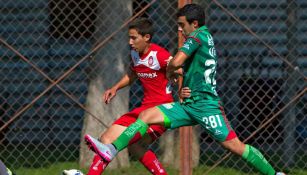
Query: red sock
[[97, 166], [150, 161]]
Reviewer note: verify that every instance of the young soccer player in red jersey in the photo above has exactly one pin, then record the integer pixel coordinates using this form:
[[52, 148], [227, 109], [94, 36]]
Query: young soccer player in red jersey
[[149, 63]]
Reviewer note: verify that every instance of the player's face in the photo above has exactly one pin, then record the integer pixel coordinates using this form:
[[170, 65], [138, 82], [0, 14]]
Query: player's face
[[184, 26], [138, 42]]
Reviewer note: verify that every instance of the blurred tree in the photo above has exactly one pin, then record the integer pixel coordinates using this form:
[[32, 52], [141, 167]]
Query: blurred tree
[[108, 65]]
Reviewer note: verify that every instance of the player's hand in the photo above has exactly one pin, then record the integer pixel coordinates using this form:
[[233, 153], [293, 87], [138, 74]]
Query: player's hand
[[108, 95], [172, 77], [185, 92]]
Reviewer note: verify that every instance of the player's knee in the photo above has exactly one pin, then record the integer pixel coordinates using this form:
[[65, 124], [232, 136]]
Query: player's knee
[[235, 146], [151, 116], [144, 116]]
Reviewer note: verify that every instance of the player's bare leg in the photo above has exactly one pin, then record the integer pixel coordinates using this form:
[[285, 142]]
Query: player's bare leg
[[152, 116], [109, 151], [235, 146], [146, 157]]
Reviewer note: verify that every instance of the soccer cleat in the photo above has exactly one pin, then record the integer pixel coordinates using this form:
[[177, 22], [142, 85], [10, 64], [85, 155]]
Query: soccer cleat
[[106, 151], [280, 173], [72, 172]]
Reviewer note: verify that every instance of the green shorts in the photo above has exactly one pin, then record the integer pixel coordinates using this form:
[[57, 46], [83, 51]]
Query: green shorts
[[208, 113]]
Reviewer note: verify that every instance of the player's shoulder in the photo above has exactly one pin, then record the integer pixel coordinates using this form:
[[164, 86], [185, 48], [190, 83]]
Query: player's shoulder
[[203, 30], [200, 35], [156, 47], [161, 51]]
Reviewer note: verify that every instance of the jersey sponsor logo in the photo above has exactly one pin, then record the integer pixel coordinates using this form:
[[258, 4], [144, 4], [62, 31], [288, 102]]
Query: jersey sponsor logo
[[210, 40], [212, 52], [147, 75]]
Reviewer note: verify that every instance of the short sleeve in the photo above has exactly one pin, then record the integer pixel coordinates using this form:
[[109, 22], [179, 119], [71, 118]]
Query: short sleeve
[[190, 45]]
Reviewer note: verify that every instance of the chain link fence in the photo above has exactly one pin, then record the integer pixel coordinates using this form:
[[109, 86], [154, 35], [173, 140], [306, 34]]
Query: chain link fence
[[52, 50]]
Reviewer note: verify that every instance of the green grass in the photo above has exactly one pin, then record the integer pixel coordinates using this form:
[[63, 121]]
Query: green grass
[[40, 160], [55, 169], [37, 155], [135, 169]]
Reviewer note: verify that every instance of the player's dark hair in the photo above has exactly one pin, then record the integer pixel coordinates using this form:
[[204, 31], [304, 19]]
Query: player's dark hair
[[193, 12], [143, 26]]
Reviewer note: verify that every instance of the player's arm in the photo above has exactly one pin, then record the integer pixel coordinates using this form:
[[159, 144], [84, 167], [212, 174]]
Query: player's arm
[[173, 68], [126, 80], [179, 84], [183, 92], [190, 45], [172, 71]]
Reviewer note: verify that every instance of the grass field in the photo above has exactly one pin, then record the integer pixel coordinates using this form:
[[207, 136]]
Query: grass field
[[48, 161], [135, 169]]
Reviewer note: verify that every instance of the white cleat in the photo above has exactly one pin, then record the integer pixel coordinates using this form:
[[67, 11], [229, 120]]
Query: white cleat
[[106, 151], [280, 173]]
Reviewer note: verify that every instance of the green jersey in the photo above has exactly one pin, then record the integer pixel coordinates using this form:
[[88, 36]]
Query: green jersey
[[200, 67]]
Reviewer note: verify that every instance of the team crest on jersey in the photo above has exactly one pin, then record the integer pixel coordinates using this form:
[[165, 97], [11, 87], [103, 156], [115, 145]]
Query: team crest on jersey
[[150, 61], [187, 44]]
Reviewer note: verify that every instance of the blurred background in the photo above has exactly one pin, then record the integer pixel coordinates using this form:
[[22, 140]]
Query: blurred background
[[57, 57]]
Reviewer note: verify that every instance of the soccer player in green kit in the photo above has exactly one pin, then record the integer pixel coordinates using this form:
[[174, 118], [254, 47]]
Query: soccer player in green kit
[[199, 61]]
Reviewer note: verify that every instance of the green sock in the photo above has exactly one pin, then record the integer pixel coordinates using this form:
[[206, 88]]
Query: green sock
[[123, 140], [254, 157]]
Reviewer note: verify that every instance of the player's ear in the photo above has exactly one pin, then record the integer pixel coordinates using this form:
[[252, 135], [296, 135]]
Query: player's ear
[[147, 37], [195, 24]]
